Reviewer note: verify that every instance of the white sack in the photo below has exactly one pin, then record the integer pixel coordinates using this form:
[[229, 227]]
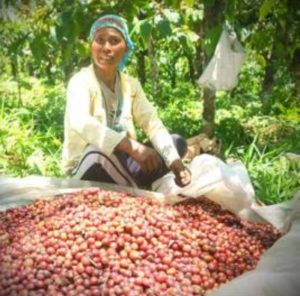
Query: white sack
[[222, 71], [15, 192], [230, 186], [226, 184]]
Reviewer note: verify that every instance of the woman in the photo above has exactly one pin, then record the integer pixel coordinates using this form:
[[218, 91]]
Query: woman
[[103, 104]]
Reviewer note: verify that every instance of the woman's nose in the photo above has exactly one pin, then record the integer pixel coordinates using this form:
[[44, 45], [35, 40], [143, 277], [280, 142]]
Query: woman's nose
[[106, 45]]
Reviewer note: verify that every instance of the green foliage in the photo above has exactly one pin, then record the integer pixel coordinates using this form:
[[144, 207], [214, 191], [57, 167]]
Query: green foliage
[[178, 108], [143, 29], [261, 141], [31, 128], [273, 175], [182, 116], [189, 3], [212, 37], [266, 8], [44, 42]]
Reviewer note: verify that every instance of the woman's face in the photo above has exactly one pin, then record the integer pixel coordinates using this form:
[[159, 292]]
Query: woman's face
[[108, 48]]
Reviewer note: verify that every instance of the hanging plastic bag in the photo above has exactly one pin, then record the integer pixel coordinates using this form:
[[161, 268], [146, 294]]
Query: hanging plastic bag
[[224, 67]]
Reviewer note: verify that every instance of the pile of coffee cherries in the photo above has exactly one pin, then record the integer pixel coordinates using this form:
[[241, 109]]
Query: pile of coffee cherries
[[97, 242]]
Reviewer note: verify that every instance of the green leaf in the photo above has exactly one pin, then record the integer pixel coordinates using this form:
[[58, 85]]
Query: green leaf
[[282, 23], [145, 29], [37, 47], [230, 9], [261, 60], [67, 52], [211, 40], [193, 37], [189, 3], [142, 29], [83, 49], [182, 39], [261, 40], [139, 3], [59, 33], [164, 28], [172, 16], [173, 3], [176, 3], [209, 3], [65, 18], [65, 24], [266, 8], [53, 34]]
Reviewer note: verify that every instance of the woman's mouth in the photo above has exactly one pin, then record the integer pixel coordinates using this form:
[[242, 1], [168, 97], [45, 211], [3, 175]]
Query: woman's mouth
[[106, 58]]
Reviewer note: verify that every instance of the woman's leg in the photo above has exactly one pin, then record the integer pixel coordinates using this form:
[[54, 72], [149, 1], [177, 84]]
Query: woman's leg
[[96, 166], [120, 168], [143, 179]]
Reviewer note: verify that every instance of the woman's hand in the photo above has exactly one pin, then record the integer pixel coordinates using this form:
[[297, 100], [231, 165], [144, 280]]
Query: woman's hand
[[182, 173], [147, 157]]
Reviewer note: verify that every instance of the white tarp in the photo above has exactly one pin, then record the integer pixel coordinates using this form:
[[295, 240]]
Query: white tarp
[[16, 192], [278, 271], [230, 186]]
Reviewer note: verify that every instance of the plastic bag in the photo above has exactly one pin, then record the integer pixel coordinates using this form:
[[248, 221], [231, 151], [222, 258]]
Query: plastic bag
[[222, 70], [226, 184]]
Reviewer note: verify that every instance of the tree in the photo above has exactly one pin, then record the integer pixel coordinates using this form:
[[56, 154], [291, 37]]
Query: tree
[[213, 18]]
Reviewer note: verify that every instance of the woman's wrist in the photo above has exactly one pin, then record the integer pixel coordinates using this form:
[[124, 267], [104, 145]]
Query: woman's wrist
[[181, 172]]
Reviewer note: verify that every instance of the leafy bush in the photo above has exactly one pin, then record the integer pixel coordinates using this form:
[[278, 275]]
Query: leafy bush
[[31, 127], [274, 177], [179, 108], [261, 141]]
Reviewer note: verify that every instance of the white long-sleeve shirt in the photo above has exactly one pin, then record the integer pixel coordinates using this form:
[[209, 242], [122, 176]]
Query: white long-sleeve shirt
[[86, 122]]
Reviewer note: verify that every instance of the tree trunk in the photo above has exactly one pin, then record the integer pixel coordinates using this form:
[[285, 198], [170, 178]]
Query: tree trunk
[[212, 17], [295, 68], [209, 112], [172, 71], [15, 72], [199, 62], [68, 72], [154, 69], [192, 71], [141, 67], [267, 85]]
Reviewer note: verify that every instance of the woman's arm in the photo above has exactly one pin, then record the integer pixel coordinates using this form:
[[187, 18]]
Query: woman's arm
[[146, 116]]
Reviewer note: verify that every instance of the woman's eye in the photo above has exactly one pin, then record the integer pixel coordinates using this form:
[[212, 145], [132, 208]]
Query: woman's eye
[[99, 40], [114, 41], [111, 40]]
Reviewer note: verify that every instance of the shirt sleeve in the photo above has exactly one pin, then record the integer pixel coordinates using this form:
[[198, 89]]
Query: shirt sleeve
[[146, 117], [91, 128]]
